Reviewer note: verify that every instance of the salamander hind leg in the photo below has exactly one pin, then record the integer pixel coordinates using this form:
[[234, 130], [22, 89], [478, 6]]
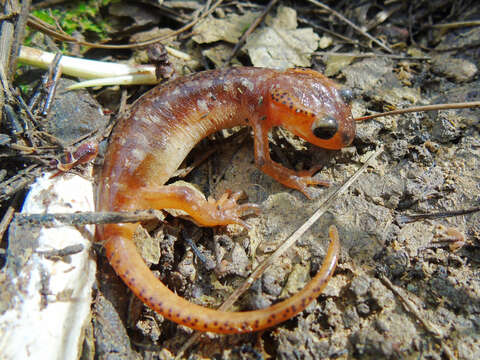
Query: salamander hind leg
[[204, 212]]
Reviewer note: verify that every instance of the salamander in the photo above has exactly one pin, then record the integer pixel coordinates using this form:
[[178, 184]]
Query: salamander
[[151, 141]]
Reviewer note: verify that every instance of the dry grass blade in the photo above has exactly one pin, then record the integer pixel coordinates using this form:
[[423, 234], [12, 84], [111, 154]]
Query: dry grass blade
[[466, 105], [406, 219], [456, 25], [359, 55]]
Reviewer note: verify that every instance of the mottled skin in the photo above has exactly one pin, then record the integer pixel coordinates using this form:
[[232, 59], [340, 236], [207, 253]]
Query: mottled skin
[[150, 143]]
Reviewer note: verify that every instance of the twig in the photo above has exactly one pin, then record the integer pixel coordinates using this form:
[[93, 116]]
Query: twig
[[357, 28], [472, 45], [101, 73], [455, 25], [370, 54], [406, 219], [19, 181], [413, 309], [260, 269], [18, 39], [84, 218], [247, 33], [51, 83], [410, 306], [88, 69], [382, 16], [5, 85], [10, 16], [29, 121], [330, 32], [58, 254], [472, 104], [6, 40], [188, 237], [8, 216], [47, 3]]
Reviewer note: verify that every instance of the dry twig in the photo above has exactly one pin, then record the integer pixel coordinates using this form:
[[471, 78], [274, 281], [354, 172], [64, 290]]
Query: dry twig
[[413, 309], [466, 105]]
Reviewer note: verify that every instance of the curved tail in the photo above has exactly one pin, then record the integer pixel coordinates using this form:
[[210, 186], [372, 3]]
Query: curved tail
[[128, 264]]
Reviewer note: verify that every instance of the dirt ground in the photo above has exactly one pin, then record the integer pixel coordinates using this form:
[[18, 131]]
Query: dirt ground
[[401, 290]]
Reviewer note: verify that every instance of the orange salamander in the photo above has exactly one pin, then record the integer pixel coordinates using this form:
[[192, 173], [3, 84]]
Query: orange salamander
[[151, 142]]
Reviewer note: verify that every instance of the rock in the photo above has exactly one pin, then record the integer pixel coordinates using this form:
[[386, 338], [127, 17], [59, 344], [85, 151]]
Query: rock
[[459, 70]]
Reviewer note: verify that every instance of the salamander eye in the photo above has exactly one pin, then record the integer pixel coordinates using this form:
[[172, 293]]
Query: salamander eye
[[347, 95], [325, 128]]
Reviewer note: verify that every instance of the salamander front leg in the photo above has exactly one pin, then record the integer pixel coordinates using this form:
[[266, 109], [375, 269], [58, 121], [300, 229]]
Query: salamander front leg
[[204, 212], [300, 180]]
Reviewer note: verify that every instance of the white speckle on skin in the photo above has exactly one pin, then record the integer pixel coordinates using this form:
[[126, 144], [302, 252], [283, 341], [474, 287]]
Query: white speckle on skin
[[207, 84], [228, 86], [247, 83], [260, 79], [192, 84], [138, 154], [153, 117], [141, 139], [202, 105]]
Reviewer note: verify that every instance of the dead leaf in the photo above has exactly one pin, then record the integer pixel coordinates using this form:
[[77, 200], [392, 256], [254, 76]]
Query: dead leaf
[[335, 63], [218, 54], [229, 29], [281, 45]]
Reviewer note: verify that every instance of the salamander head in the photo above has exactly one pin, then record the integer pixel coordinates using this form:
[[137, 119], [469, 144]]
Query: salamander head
[[313, 107]]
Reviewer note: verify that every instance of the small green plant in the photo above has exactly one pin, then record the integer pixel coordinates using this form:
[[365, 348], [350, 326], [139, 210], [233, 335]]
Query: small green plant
[[77, 16]]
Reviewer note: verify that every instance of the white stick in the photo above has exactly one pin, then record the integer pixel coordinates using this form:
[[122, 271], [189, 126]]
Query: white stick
[[91, 69]]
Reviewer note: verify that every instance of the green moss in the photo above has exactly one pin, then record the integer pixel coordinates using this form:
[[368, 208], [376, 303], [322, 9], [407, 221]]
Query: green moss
[[25, 88]]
